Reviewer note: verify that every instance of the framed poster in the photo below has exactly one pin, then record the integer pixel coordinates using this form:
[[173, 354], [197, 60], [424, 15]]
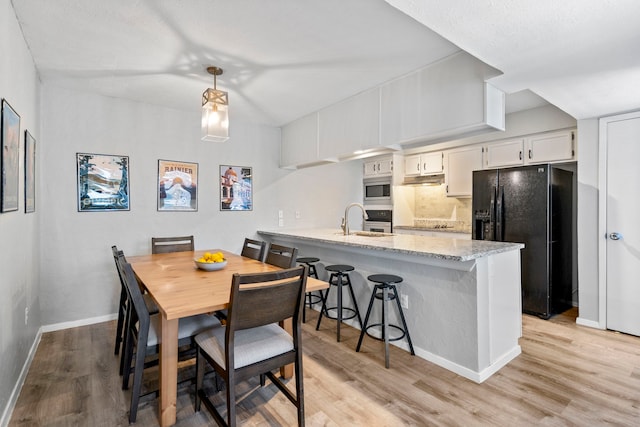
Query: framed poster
[[29, 173], [177, 186], [236, 188], [10, 158], [103, 182]]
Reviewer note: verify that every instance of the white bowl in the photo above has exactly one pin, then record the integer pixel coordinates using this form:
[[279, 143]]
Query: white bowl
[[210, 266]]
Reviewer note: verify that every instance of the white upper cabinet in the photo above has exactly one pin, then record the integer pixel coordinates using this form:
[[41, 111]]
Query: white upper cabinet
[[424, 164], [380, 166], [505, 153], [459, 166], [299, 145], [551, 147], [532, 149], [447, 98], [412, 165], [350, 126]]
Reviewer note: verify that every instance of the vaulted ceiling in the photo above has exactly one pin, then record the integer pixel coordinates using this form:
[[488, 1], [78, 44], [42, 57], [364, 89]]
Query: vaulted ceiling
[[285, 58]]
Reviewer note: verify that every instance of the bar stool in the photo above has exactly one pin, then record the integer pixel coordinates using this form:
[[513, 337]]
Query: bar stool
[[339, 278], [310, 298], [385, 290]]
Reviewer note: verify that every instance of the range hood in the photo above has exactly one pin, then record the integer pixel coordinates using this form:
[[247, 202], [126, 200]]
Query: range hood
[[424, 180]]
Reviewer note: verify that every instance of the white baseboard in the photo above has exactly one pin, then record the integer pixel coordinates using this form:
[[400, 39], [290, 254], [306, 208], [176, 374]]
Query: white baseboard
[[15, 393], [76, 323], [589, 323]]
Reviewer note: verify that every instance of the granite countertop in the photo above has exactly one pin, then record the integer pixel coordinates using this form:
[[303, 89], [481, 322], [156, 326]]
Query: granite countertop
[[433, 247], [443, 229]]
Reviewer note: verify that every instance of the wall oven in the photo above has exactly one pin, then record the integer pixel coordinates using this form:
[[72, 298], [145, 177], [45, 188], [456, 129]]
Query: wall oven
[[377, 191], [379, 220]]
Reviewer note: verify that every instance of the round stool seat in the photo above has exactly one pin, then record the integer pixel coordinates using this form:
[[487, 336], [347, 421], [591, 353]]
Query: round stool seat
[[385, 278], [307, 259], [339, 268]]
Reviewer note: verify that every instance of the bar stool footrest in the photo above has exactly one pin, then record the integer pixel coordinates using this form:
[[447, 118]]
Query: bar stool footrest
[[396, 327], [349, 309]]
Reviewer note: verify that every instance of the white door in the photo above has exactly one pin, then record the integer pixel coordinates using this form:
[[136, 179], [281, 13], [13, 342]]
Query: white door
[[622, 244]]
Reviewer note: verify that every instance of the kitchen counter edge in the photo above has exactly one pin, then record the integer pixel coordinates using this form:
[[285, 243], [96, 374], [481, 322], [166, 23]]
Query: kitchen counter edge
[[433, 247]]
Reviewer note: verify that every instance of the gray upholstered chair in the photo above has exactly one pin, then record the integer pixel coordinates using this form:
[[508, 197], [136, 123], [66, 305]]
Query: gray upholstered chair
[[143, 334], [161, 245], [252, 343]]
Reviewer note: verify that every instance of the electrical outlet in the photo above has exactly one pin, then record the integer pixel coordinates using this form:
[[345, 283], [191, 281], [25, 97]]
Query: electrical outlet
[[26, 315], [297, 214], [281, 222], [404, 301]]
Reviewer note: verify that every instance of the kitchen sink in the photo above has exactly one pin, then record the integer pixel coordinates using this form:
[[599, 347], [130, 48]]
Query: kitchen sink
[[370, 233]]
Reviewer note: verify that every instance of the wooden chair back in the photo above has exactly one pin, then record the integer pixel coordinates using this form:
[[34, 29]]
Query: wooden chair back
[[264, 298], [253, 249], [281, 256], [162, 245]]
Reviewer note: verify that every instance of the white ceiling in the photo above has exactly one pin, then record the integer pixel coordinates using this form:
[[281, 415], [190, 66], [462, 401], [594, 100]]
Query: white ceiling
[[285, 58]]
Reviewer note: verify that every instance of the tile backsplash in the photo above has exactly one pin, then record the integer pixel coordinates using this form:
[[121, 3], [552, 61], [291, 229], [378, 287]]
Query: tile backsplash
[[434, 209]]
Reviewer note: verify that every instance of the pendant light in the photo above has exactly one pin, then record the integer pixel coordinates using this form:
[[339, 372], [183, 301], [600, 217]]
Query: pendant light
[[215, 114]]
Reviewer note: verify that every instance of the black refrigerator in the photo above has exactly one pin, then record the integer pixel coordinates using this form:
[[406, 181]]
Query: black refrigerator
[[530, 205]]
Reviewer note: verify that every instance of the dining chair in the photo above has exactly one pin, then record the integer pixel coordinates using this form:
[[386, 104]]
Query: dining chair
[[124, 304], [281, 256], [162, 245], [143, 333], [253, 249], [252, 343]]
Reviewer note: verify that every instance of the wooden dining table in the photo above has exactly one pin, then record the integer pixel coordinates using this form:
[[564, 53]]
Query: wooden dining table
[[181, 290]]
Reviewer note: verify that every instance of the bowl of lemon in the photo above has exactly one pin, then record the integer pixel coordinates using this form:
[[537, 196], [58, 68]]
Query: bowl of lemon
[[211, 262]]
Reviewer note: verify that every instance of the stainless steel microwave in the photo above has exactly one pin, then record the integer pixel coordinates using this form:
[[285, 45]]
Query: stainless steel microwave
[[377, 190]]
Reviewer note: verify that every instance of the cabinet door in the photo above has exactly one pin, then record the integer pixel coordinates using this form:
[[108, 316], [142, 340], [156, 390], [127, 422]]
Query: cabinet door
[[299, 144], [550, 147], [432, 163], [370, 168], [460, 164], [412, 165], [385, 166], [350, 125], [506, 153]]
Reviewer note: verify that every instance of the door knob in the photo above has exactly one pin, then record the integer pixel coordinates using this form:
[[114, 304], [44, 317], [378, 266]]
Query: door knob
[[615, 236]]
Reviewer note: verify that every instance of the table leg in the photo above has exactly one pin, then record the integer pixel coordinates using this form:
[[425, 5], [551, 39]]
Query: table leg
[[286, 371], [168, 371]]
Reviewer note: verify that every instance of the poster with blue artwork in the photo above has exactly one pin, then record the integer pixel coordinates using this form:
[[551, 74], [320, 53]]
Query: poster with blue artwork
[[236, 188], [103, 182]]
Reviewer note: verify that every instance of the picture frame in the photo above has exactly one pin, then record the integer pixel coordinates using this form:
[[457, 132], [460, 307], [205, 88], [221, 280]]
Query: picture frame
[[10, 157], [103, 182], [177, 186], [236, 188], [29, 173]]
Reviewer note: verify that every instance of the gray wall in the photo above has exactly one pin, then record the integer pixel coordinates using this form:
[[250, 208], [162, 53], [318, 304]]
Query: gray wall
[[19, 232]]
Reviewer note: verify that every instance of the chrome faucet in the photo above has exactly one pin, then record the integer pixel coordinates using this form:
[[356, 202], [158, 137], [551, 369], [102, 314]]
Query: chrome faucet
[[345, 220]]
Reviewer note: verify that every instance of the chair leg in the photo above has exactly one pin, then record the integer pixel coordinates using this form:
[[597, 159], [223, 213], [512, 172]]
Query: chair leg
[[199, 378], [137, 383], [353, 299], [324, 306], [339, 281], [404, 322], [385, 325], [299, 389], [366, 319], [231, 400]]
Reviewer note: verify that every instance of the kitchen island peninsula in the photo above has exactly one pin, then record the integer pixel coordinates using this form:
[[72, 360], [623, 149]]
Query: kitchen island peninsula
[[464, 300]]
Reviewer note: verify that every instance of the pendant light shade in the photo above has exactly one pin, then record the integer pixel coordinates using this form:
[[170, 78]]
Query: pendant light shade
[[215, 113]]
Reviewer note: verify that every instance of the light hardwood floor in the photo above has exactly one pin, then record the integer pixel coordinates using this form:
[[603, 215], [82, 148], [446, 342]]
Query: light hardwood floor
[[566, 375]]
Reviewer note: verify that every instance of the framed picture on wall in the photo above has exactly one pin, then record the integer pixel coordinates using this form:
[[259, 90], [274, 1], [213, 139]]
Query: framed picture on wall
[[103, 182], [177, 186], [29, 172], [10, 158], [236, 188]]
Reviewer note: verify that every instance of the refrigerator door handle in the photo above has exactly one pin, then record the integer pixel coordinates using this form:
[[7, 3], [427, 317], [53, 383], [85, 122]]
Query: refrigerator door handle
[[492, 213], [499, 205]]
